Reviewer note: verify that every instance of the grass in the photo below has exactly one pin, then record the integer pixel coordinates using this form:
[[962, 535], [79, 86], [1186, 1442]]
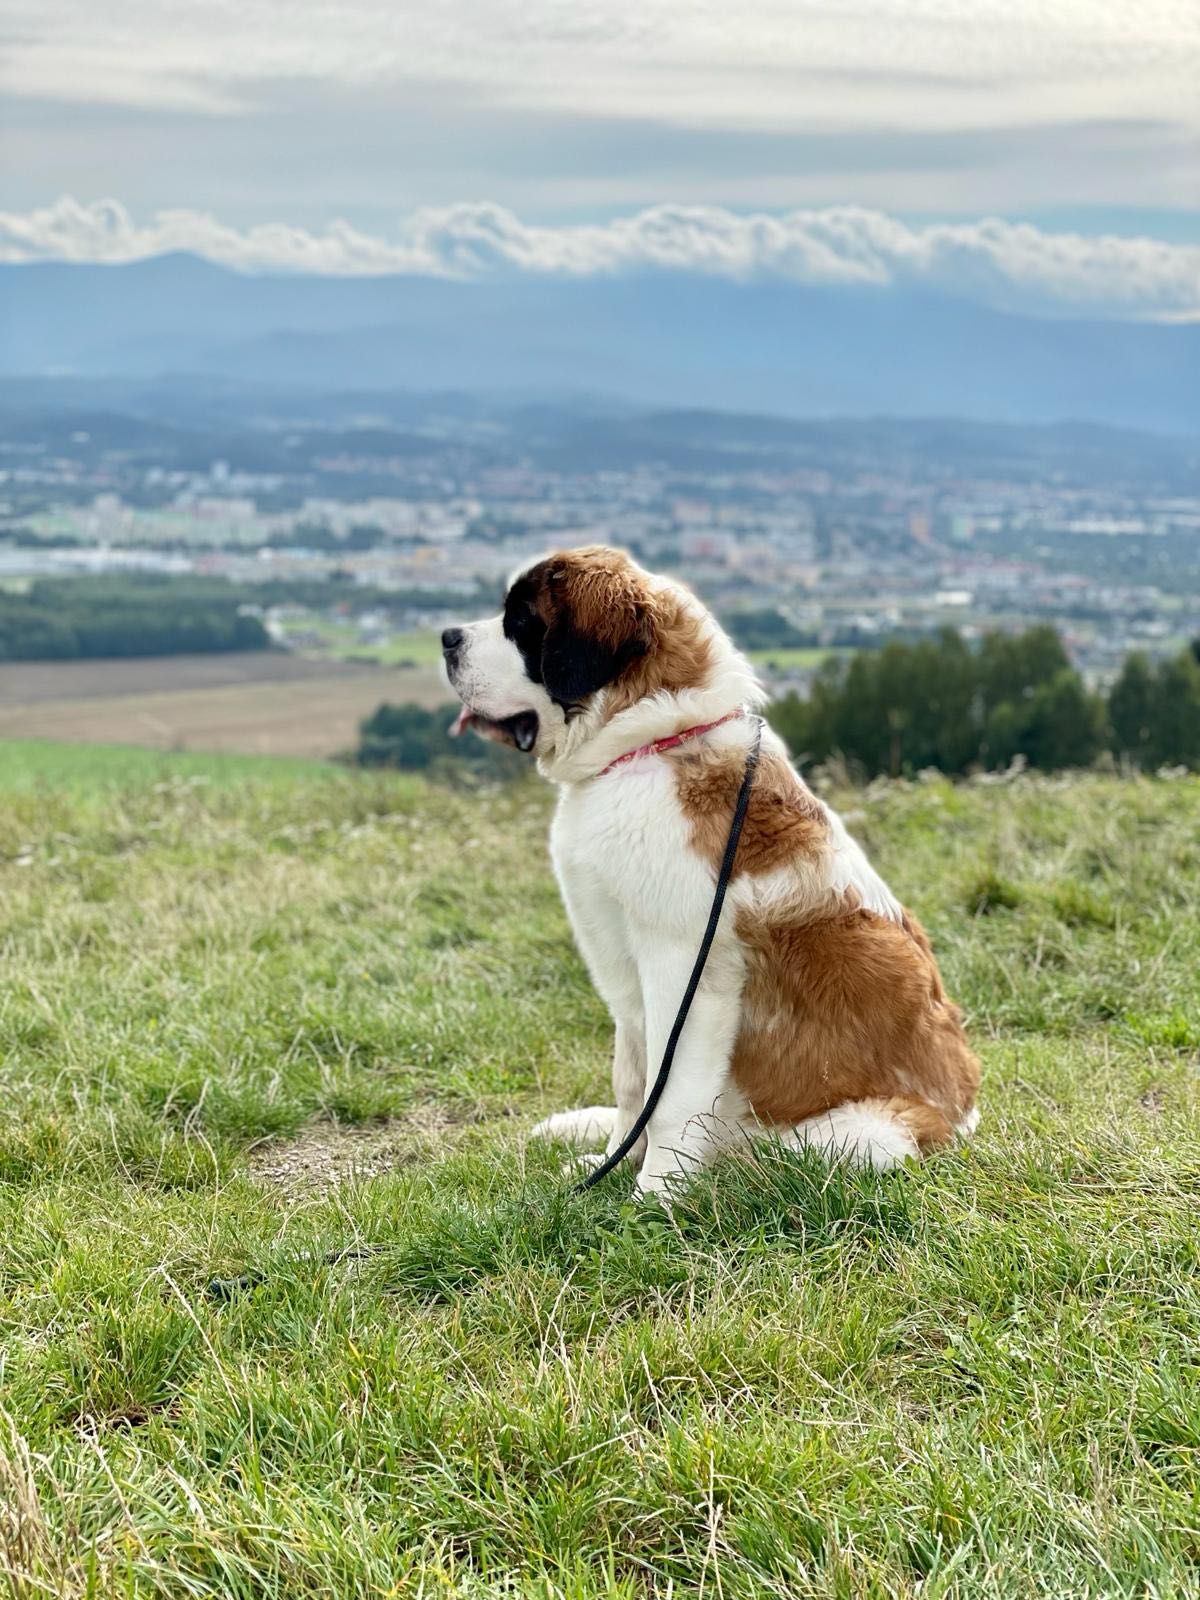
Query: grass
[[341, 640], [794, 659], [980, 1378], [40, 765]]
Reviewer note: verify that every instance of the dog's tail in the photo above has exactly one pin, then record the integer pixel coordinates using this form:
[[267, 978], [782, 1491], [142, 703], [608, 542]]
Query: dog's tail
[[588, 1125]]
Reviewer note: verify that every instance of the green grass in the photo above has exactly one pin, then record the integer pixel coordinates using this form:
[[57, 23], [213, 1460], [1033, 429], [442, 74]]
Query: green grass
[[341, 640], [800, 658], [419, 649], [977, 1378], [36, 764]]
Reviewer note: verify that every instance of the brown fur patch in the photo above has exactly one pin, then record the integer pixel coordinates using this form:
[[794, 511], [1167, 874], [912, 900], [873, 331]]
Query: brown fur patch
[[926, 1123], [785, 822], [848, 1008], [609, 599], [679, 657]]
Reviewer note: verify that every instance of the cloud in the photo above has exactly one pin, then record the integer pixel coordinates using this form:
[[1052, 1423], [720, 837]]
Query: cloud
[[758, 64], [935, 107], [998, 263]]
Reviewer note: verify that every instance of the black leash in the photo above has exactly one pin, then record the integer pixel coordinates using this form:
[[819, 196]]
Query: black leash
[[610, 1163], [227, 1288]]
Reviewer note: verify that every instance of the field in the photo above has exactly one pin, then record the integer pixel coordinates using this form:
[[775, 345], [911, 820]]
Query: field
[[255, 1011], [792, 660], [341, 641], [260, 702]]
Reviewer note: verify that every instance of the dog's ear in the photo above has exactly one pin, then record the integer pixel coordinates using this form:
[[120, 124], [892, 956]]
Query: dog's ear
[[576, 662], [597, 620]]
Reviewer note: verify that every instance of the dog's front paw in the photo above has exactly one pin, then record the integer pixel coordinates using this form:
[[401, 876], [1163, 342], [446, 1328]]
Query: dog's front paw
[[589, 1125], [652, 1189], [583, 1162]]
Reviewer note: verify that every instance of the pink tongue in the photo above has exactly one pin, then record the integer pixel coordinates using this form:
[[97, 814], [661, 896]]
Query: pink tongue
[[461, 722]]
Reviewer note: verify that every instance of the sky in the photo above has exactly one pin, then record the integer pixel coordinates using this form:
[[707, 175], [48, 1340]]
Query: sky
[[592, 135]]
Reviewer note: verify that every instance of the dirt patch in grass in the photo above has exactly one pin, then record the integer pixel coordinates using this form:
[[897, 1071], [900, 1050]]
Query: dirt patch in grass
[[327, 1154]]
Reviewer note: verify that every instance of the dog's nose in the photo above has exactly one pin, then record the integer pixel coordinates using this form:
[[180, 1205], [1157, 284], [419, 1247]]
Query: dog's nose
[[451, 639]]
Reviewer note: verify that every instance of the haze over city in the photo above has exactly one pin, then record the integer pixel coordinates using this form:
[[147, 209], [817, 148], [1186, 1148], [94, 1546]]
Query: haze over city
[[874, 320]]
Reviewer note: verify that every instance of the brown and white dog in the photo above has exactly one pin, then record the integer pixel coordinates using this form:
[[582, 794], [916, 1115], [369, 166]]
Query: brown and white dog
[[821, 1016]]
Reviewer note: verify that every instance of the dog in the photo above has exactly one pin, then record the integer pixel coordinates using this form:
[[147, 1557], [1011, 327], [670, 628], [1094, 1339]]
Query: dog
[[821, 1017]]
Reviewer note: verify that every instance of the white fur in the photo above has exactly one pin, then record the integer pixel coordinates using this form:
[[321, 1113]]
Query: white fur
[[638, 897], [588, 1125], [490, 678], [850, 869], [859, 1134]]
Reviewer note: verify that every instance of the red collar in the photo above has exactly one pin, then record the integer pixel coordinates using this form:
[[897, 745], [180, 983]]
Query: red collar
[[670, 742]]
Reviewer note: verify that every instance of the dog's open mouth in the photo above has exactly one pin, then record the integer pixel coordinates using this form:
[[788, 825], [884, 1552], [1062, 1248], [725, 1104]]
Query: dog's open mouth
[[520, 730]]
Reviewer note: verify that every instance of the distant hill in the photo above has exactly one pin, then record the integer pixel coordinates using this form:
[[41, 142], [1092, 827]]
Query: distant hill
[[185, 421], [657, 340]]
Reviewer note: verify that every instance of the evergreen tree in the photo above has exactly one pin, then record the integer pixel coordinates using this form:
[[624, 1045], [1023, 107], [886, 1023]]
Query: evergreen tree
[[1131, 709], [1064, 724], [1175, 713], [937, 703]]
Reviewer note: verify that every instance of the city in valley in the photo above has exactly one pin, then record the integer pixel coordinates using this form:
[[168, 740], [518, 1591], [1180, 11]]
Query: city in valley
[[357, 524]]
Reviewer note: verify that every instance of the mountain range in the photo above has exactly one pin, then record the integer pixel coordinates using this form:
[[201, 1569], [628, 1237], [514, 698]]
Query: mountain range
[[651, 338]]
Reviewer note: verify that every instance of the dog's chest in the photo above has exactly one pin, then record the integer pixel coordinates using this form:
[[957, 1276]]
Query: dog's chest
[[625, 836]]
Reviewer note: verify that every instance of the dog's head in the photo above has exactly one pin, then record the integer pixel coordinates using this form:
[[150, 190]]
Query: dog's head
[[574, 625]]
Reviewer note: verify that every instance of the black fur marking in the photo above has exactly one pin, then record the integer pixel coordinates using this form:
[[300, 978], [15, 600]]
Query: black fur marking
[[523, 625], [570, 664], [575, 666]]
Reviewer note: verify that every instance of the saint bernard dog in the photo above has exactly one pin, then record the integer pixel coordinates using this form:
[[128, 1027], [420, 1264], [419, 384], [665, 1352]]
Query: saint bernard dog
[[821, 1017]]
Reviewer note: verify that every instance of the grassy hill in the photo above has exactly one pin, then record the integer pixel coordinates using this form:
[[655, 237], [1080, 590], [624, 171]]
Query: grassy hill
[[253, 1010]]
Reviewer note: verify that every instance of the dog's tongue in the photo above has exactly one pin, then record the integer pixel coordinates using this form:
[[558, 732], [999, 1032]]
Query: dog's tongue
[[461, 722]]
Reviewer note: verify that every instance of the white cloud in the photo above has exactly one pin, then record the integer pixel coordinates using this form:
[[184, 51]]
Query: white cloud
[[990, 260], [314, 109], [762, 63]]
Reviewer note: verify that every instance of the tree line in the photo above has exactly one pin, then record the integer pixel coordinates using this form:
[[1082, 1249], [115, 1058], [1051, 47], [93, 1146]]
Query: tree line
[[163, 614], [939, 702], [934, 702], [64, 619]]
